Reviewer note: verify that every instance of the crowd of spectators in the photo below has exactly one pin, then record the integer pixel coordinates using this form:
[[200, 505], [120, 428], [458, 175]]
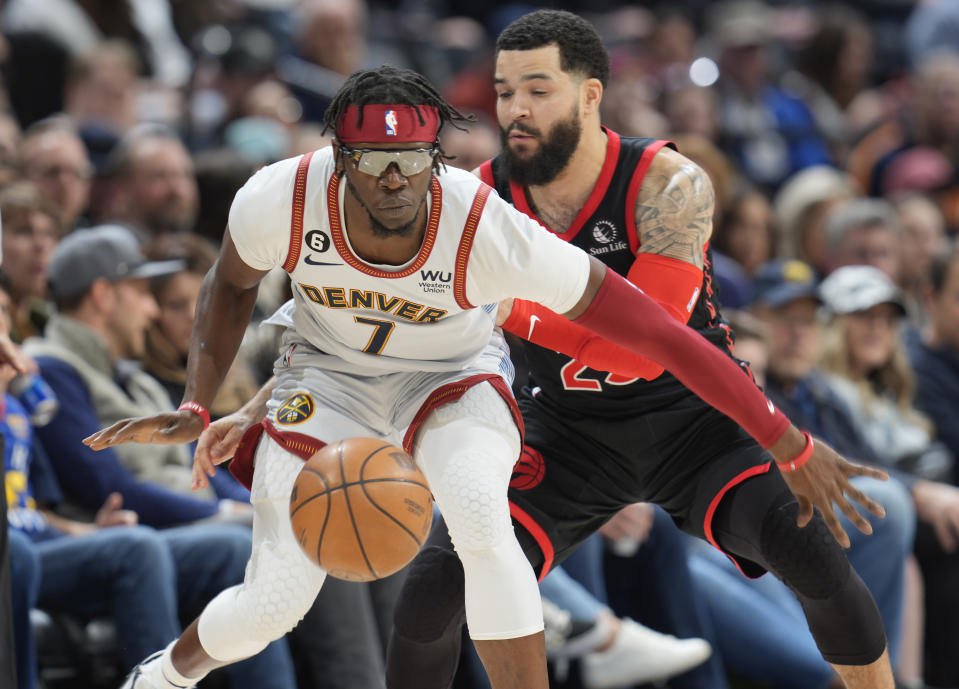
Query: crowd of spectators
[[831, 136]]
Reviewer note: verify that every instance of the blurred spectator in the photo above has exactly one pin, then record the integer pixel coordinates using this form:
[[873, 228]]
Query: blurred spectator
[[801, 206], [53, 157], [81, 26], [865, 356], [629, 103], [154, 183], [168, 338], [330, 42], [930, 122], [332, 34], [672, 47], [933, 27], [232, 60], [746, 233], [935, 355], [102, 88], [9, 144], [693, 110], [31, 233], [752, 342], [871, 372], [864, 232], [470, 148], [769, 131], [922, 237], [98, 280], [833, 69]]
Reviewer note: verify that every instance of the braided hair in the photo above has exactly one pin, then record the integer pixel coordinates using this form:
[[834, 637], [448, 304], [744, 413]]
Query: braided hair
[[392, 85]]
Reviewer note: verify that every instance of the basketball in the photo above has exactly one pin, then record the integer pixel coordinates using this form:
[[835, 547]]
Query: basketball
[[361, 509]]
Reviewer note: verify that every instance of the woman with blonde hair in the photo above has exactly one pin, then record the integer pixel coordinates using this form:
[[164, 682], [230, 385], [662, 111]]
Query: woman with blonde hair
[[865, 354]]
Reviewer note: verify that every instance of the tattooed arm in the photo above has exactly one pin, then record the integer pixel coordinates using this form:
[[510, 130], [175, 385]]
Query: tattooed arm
[[674, 209]]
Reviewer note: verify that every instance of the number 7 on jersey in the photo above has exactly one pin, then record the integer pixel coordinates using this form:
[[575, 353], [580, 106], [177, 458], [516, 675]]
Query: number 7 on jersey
[[380, 336]]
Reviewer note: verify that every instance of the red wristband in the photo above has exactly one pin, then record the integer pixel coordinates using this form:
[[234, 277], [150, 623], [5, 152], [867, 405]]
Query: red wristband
[[803, 457], [197, 409]]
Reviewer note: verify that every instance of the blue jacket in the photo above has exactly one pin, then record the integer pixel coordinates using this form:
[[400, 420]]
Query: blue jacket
[[86, 476]]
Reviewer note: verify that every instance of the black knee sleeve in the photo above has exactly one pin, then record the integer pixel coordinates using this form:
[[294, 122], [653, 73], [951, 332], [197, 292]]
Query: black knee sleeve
[[433, 597], [424, 649], [841, 613], [808, 560]]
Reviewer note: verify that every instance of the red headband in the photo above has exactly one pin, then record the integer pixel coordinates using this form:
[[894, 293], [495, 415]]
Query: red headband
[[383, 124]]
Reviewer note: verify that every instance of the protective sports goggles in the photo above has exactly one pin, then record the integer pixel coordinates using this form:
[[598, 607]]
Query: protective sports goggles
[[375, 161]]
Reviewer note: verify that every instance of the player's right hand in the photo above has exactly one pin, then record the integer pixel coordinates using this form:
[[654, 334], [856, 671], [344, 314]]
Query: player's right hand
[[217, 444], [823, 483], [168, 428]]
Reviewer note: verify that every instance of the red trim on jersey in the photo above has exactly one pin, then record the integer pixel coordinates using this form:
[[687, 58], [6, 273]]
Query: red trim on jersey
[[343, 247], [714, 504], [241, 466], [635, 182], [296, 220], [486, 173], [538, 534], [595, 197], [452, 392], [466, 245]]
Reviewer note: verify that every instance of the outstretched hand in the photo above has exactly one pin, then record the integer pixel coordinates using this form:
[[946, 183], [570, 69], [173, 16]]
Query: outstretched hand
[[218, 443], [168, 428], [823, 482]]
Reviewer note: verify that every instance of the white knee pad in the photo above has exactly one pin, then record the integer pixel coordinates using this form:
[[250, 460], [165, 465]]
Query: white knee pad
[[467, 450], [281, 583]]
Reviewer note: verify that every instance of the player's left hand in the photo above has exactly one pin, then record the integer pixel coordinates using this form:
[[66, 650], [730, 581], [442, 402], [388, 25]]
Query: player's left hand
[[168, 428], [218, 443], [823, 482]]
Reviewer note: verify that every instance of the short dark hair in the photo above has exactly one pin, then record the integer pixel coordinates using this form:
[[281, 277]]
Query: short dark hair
[[581, 49], [941, 264]]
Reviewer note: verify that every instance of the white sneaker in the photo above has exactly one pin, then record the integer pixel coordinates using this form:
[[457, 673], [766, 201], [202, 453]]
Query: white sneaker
[[148, 675], [639, 654]]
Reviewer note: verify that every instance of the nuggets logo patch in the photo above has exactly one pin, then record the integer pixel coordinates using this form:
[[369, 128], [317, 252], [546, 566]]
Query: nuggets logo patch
[[296, 409]]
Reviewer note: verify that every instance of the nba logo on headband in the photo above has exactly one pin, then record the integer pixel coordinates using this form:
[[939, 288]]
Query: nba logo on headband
[[391, 122]]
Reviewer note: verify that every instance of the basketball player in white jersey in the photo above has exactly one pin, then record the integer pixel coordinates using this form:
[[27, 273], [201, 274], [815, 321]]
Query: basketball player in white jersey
[[397, 266]]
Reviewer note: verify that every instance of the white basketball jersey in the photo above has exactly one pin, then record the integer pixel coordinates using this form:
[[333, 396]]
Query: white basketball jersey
[[436, 313]]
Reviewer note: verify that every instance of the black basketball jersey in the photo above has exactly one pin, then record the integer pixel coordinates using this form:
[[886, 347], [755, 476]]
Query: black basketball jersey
[[606, 228]]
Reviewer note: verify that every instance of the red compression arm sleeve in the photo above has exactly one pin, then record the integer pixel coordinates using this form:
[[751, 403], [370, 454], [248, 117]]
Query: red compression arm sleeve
[[672, 283], [536, 323], [624, 315]]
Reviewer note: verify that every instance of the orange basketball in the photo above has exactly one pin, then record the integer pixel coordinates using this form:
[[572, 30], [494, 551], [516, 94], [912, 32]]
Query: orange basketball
[[361, 509]]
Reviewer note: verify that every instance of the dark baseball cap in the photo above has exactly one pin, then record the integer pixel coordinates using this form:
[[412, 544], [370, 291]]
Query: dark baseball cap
[[104, 251], [780, 282]]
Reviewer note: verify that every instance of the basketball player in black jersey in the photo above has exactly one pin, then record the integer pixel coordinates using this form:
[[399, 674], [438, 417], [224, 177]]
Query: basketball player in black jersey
[[603, 440]]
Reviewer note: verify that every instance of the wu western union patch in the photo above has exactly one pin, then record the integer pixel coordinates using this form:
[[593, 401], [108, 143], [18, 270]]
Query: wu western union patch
[[296, 409]]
